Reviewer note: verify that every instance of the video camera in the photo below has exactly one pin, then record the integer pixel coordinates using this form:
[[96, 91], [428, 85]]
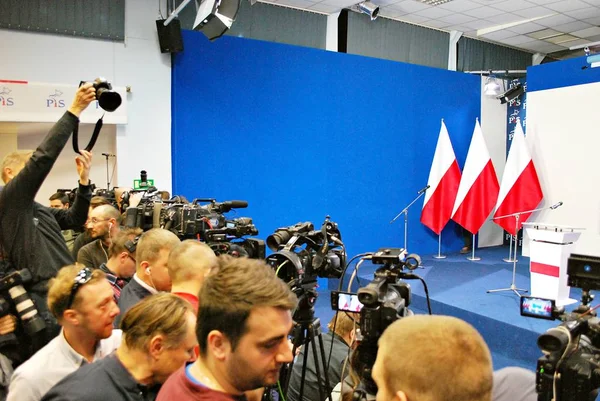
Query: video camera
[[569, 369], [384, 300], [202, 219]]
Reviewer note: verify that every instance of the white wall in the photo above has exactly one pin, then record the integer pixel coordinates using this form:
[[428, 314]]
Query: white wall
[[493, 125], [564, 141], [145, 142], [64, 173]]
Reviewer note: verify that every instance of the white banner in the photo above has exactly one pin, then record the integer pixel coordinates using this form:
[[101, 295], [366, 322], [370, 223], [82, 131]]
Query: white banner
[[22, 101]]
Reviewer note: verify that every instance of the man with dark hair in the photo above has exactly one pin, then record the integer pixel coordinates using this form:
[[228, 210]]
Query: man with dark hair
[[244, 319], [81, 300], [103, 224], [121, 259], [30, 232], [158, 338], [59, 200]]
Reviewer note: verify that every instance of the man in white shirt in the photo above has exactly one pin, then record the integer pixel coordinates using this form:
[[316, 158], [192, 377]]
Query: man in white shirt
[[82, 302]]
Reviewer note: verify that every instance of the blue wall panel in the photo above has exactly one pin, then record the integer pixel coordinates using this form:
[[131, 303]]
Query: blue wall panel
[[303, 133], [560, 74]]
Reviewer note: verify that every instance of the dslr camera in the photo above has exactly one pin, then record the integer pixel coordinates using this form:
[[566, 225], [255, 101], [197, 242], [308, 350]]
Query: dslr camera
[[569, 369], [108, 99]]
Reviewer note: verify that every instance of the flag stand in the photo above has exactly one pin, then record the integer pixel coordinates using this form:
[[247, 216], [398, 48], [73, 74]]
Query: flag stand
[[510, 258], [473, 257], [517, 216], [439, 255]]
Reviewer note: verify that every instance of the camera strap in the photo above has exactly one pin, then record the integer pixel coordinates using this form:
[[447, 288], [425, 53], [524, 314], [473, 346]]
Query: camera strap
[[92, 142]]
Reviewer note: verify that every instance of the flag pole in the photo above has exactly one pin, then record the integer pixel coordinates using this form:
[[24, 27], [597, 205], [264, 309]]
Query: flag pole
[[473, 257], [439, 255]]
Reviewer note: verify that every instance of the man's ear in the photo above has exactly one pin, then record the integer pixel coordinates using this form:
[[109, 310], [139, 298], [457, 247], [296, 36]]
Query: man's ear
[[218, 344], [156, 346], [71, 316], [400, 396]]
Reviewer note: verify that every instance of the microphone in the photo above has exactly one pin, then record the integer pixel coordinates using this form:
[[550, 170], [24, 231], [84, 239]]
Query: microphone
[[235, 204], [108, 154], [556, 205], [423, 190]]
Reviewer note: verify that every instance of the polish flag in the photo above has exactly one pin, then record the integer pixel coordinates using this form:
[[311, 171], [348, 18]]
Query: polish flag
[[478, 190], [444, 178], [520, 189]]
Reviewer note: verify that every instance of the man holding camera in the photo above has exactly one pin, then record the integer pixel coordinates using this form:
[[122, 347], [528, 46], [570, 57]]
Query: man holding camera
[[30, 233], [432, 358]]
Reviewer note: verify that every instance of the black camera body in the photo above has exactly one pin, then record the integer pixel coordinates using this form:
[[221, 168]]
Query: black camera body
[[570, 369], [203, 220], [303, 254]]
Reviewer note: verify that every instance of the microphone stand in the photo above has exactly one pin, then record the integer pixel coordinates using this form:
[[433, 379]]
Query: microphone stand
[[107, 155], [517, 217], [405, 212]]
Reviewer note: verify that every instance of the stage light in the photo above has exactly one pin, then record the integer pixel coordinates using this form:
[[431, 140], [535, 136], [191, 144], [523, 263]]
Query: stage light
[[492, 87], [215, 17], [513, 93], [366, 7]]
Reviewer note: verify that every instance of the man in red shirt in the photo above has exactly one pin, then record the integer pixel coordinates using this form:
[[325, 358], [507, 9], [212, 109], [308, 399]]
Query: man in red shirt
[[243, 324], [189, 263]]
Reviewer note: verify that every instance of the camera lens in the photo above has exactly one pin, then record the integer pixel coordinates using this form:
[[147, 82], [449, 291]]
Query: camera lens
[[107, 99], [275, 240]]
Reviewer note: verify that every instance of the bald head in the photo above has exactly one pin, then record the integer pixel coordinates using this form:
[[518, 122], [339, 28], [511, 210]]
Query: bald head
[[190, 260], [433, 358], [106, 212]]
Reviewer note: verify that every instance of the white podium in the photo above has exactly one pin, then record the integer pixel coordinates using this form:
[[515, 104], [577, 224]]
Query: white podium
[[550, 248]]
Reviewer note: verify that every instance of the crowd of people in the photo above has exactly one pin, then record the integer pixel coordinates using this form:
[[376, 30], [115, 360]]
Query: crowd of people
[[132, 315]]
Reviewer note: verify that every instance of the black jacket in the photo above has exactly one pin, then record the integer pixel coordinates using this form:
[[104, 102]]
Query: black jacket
[[30, 233]]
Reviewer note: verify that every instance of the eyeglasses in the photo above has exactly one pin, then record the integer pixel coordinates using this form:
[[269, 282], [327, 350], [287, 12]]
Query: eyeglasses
[[131, 257], [94, 220], [81, 278]]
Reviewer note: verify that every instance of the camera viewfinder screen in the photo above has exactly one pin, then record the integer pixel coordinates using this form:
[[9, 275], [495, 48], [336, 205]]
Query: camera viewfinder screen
[[349, 302], [540, 308]]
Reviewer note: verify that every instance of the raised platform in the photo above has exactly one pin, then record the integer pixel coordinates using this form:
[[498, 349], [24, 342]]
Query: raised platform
[[458, 287]]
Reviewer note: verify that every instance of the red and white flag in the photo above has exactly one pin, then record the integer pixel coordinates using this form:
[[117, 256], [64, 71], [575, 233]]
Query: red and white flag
[[444, 178], [478, 190], [520, 189]]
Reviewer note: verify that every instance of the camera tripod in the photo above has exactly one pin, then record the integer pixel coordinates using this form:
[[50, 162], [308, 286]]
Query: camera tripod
[[307, 332]]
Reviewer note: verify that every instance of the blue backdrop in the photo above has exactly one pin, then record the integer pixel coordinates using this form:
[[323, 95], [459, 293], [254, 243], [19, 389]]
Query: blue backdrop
[[560, 74], [302, 133]]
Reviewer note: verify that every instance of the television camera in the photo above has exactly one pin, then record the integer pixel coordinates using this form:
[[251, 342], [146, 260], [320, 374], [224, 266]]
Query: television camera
[[569, 369], [202, 219], [384, 300]]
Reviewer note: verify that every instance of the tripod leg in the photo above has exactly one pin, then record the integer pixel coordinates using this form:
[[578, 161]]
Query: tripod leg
[[325, 368]]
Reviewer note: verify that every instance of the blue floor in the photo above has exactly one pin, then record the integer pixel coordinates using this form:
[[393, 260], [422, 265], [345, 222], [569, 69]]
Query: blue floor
[[457, 287]]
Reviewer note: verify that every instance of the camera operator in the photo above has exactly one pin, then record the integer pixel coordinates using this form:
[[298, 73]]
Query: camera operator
[[342, 338], [30, 233], [85, 237], [432, 358]]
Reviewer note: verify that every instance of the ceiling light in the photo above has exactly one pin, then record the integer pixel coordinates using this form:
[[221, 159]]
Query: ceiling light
[[434, 2], [371, 9], [562, 39], [492, 87]]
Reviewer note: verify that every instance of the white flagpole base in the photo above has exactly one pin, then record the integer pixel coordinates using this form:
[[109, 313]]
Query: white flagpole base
[[473, 257], [439, 256]]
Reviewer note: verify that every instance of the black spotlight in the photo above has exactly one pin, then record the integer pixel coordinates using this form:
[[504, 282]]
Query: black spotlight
[[513, 93], [215, 17]]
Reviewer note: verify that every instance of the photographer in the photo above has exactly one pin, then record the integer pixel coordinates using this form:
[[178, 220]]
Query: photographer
[[30, 233]]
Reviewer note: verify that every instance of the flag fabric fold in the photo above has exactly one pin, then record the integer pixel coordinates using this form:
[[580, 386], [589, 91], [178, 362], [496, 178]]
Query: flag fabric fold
[[520, 189], [478, 189], [444, 179]]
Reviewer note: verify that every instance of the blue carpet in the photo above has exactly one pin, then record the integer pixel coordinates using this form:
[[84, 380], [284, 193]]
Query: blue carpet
[[457, 287]]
